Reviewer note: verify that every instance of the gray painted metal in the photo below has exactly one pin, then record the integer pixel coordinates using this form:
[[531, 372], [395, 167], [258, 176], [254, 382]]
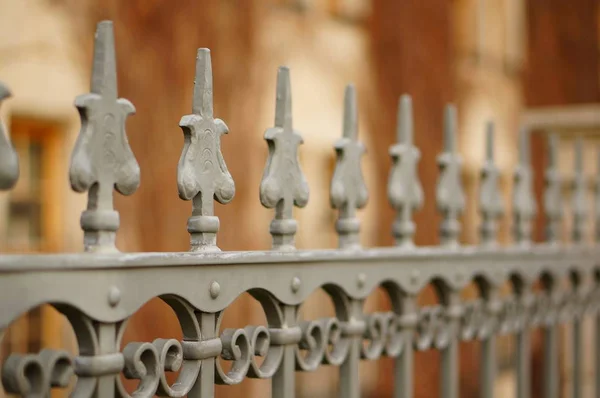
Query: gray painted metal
[[100, 290], [202, 175]]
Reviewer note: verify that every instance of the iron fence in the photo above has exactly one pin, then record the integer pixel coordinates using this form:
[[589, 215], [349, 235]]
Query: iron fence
[[99, 290]]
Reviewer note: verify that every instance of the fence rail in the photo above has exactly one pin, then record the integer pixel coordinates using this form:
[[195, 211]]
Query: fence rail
[[98, 291]]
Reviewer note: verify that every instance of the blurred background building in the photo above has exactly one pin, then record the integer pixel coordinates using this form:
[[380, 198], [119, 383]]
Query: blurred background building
[[494, 58]]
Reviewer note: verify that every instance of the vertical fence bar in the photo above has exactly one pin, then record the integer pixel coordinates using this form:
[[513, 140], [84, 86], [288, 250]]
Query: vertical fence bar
[[553, 211], [488, 346], [595, 278], [205, 384], [524, 209], [491, 208], [597, 355], [551, 376], [405, 195], [450, 354], [284, 380], [523, 362], [451, 201], [403, 366], [349, 372], [579, 206], [488, 370]]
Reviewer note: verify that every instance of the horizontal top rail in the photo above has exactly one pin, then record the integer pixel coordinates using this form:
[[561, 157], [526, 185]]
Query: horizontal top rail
[[65, 261]]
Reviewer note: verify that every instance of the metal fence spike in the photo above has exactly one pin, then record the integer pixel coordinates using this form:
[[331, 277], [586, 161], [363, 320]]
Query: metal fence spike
[[283, 104], [524, 205], [104, 71], [202, 174], [449, 194], [404, 131], [348, 189], [553, 204], [579, 202], [9, 161], [450, 122], [404, 187], [202, 102], [102, 159], [490, 197], [283, 184], [350, 113]]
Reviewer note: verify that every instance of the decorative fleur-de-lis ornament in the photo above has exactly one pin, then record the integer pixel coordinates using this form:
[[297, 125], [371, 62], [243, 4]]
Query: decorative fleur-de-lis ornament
[[553, 206], [490, 198], [450, 196], [9, 161], [283, 184], [524, 205], [102, 159], [404, 188], [348, 189], [579, 195], [202, 175]]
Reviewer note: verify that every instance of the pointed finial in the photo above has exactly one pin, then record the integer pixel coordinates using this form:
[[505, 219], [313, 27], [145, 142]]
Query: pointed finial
[[9, 161], [104, 69], [202, 103], [283, 102], [102, 159], [450, 195], [490, 197], [553, 206], [579, 195], [348, 189], [283, 184], [202, 175], [524, 205], [404, 188]]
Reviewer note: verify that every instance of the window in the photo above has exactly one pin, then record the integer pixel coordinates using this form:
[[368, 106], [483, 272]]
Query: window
[[32, 222]]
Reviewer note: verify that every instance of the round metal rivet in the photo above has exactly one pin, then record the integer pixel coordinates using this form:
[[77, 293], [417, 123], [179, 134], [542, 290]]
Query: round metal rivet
[[361, 279], [214, 289], [114, 296], [296, 284], [414, 277]]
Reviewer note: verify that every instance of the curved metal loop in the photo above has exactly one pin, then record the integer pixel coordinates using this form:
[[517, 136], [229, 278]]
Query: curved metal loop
[[142, 362], [260, 342], [149, 362], [395, 339], [91, 363], [172, 359], [337, 344], [314, 342], [511, 318], [376, 334], [35, 375], [473, 320], [236, 348]]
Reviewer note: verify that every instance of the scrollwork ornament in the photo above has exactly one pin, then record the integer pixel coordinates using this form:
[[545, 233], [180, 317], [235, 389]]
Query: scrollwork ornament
[[376, 334], [473, 320], [236, 348], [33, 375], [314, 343], [261, 346], [432, 330], [337, 343]]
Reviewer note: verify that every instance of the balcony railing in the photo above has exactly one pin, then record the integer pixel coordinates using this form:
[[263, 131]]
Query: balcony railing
[[99, 290]]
